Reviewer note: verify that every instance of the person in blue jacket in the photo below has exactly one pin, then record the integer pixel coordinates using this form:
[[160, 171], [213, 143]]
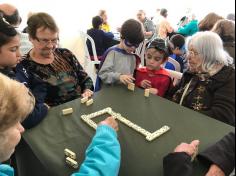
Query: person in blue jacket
[[102, 156], [9, 57]]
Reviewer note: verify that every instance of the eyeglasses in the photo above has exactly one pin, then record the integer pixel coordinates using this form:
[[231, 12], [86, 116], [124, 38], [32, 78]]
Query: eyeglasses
[[131, 45], [47, 41], [192, 53]]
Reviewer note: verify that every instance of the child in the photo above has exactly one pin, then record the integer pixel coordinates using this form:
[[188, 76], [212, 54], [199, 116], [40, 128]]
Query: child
[[152, 76], [119, 62], [177, 47]]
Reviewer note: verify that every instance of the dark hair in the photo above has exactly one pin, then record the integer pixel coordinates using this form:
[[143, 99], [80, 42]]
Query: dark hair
[[177, 40], [13, 19], [39, 20], [7, 32], [97, 21], [163, 12], [160, 45], [132, 31]]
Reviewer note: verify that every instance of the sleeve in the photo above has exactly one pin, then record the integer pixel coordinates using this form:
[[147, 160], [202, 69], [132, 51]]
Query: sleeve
[[177, 164], [168, 27], [221, 154], [103, 155], [150, 27], [40, 109], [166, 81], [6, 170], [85, 82], [107, 73], [223, 105], [108, 35], [185, 29]]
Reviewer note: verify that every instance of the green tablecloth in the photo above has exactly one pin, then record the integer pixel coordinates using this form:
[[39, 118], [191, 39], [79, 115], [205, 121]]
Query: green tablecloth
[[43, 150]]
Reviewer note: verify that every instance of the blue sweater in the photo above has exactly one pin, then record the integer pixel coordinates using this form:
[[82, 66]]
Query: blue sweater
[[102, 156], [40, 110], [189, 29]]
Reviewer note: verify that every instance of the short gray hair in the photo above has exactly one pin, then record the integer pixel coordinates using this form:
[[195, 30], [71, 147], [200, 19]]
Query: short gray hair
[[210, 48]]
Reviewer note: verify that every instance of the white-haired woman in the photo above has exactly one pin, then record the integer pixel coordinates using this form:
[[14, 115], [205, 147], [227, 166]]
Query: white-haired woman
[[209, 85]]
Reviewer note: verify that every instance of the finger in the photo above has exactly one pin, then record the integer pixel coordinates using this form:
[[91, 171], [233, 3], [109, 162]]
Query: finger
[[195, 143]]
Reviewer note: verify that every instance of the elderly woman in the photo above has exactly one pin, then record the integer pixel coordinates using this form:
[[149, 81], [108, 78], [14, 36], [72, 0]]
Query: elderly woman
[[209, 84], [55, 68], [16, 102]]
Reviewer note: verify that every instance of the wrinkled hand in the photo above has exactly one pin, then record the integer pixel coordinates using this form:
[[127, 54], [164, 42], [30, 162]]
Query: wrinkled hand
[[87, 93], [110, 121], [191, 149], [153, 91], [126, 79], [215, 171], [146, 84]]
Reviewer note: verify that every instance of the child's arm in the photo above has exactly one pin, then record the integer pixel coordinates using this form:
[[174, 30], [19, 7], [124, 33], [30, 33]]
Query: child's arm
[[107, 73]]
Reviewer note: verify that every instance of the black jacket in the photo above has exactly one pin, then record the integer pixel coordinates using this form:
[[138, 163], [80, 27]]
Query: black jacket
[[222, 154], [215, 96]]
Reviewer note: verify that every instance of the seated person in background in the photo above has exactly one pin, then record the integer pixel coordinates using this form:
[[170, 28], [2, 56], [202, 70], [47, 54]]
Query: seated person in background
[[105, 26], [219, 158], [177, 47], [119, 62], [102, 156], [165, 29], [153, 76], [149, 27], [226, 30], [101, 38], [9, 57], [57, 69], [207, 23], [190, 28], [209, 85], [11, 15]]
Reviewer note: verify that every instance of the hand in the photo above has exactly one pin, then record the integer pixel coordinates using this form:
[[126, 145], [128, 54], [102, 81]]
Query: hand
[[215, 171], [153, 91], [146, 84], [126, 79], [87, 93], [191, 149], [110, 121]]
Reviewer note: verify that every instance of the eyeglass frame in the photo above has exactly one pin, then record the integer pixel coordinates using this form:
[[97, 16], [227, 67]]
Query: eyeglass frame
[[192, 53], [47, 41]]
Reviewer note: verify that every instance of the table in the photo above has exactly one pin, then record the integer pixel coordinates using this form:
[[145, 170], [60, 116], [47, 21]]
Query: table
[[42, 150]]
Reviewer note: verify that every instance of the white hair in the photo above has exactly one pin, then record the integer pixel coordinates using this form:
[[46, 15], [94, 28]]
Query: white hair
[[210, 48]]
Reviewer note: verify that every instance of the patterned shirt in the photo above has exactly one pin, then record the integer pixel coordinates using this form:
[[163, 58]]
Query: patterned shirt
[[64, 78]]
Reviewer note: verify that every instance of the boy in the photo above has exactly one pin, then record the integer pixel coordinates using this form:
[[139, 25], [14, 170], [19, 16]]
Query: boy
[[119, 62], [152, 76], [177, 47]]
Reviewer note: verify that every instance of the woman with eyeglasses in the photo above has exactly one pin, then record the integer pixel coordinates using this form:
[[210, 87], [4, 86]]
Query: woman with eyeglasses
[[153, 76], [209, 85], [9, 57], [55, 68], [119, 62]]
